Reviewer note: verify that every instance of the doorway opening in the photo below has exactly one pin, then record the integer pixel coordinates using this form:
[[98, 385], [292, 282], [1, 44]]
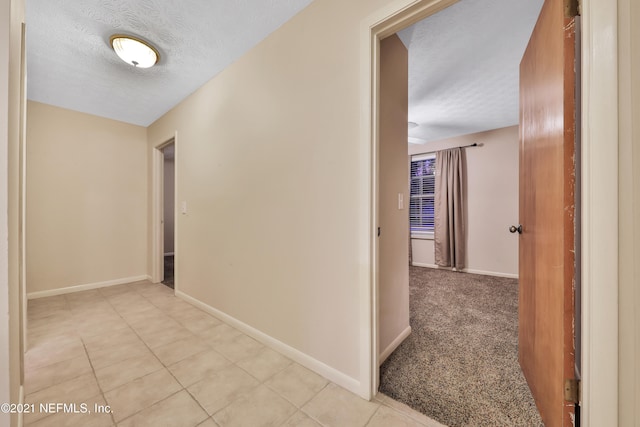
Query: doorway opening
[[168, 214], [163, 207], [498, 150]]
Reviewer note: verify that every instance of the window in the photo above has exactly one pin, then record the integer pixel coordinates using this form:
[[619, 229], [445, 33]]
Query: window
[[423, 186]]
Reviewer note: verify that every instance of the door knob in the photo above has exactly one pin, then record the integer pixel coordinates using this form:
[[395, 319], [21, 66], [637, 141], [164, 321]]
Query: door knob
[[513, 229]]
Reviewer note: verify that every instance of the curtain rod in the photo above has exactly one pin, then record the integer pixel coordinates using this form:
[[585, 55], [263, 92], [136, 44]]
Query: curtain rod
[[475, 144]]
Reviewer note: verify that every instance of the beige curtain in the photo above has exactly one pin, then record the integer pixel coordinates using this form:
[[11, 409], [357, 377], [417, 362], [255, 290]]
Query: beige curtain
[[449, 209]]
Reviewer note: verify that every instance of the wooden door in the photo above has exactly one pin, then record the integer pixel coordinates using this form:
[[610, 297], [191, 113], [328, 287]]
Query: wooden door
[[547, 212]]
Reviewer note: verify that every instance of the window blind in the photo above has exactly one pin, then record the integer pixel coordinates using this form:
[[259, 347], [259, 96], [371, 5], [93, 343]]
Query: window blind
[[422, 194]]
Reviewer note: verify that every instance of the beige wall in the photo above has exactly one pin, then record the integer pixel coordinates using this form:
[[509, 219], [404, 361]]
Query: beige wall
[[269, 166], [629, 215], [492, 201], [169, 191], [86, 199], [278, 121], [11, 17], [393, 255]]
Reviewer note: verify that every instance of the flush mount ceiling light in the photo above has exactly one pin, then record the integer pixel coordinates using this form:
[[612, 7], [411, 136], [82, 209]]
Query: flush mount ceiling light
[[134, 51]]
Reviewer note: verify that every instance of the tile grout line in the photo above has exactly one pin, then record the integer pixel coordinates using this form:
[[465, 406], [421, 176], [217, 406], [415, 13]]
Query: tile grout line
[[63, 381], [154, 355], [411, 416], [166, 311], [373, 415], [67, 308], [161, 362], [96, 378], [313, 397], [89, 357], [263, 382], [287, 399], [162, 400], [234, 363], [212, 349], [414, 415], [82, 340]]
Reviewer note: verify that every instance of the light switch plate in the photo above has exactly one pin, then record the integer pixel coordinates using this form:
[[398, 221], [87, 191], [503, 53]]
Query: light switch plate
[[400, 201]]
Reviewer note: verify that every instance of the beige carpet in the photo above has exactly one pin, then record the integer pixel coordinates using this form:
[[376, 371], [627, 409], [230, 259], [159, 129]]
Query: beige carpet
[[460, 365]]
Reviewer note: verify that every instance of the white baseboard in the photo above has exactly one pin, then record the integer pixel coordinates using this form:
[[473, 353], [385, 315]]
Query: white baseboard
[[394, 344], [304, 359], [468, 270], [420, 264], [491, 273], [86, 287]]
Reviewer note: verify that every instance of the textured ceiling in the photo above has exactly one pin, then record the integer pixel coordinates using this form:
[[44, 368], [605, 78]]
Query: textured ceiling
[[463, 61], [71, 64], [463, 67]]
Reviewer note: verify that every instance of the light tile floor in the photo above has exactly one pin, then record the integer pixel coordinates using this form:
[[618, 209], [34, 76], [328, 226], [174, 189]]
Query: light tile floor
[[156, 360]]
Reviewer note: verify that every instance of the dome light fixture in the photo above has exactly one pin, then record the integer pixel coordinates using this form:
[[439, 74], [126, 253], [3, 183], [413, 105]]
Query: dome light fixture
[[134, 51]]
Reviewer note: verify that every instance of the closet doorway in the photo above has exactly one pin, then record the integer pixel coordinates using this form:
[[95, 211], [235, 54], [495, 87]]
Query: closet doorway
[[168, 213], [163, 213]]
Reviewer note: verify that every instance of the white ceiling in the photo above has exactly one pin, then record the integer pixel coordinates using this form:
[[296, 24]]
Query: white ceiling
[[71, 64], [463, 61], [463, 67]]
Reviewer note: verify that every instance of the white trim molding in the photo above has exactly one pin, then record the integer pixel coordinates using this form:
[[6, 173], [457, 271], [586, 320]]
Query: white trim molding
[[629, 213], [20, 403], [599, 232], [86, 287], [423, 264], [490, 273], [157, 206], [296, 355], [394, 344], [468, 270], [388, 20], [157, 232]]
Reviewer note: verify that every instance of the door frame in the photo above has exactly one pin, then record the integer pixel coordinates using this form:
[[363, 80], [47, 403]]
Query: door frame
[[600, 208], [599, 197], [22, 201], [157, 207], [386, 22]]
